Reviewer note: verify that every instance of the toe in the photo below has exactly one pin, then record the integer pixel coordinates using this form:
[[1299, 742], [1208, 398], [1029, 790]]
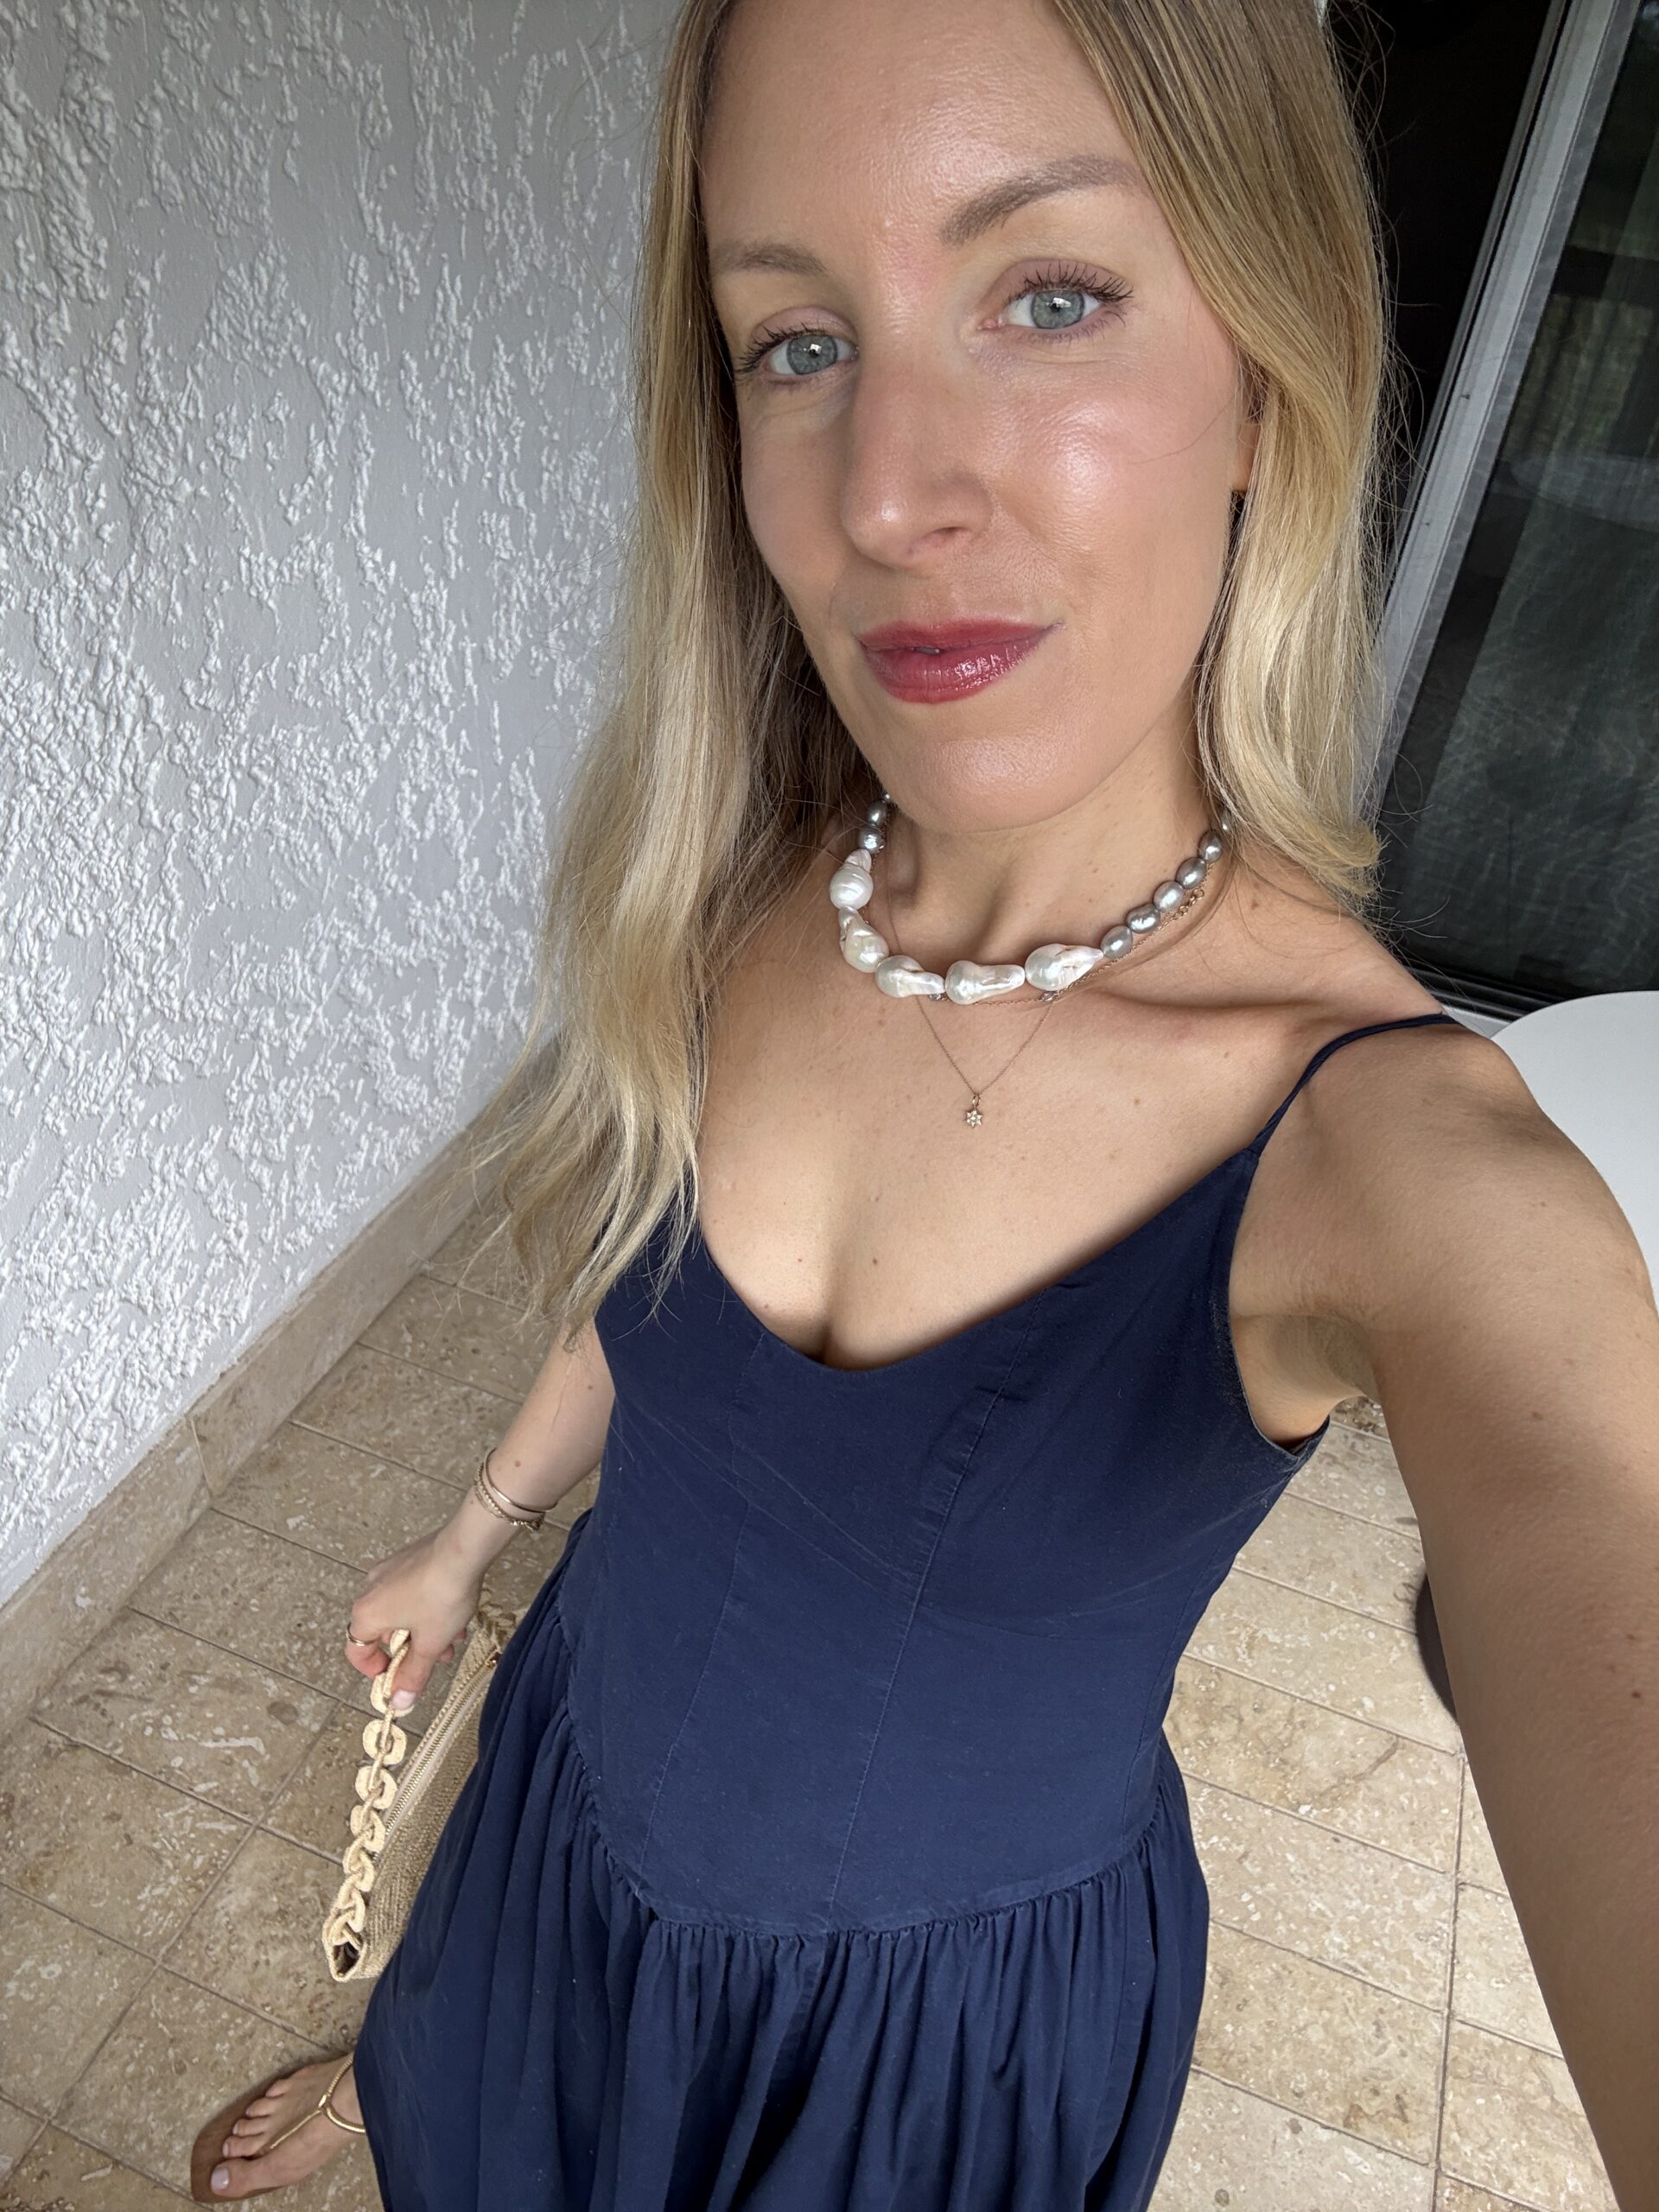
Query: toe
[[235, 2180]]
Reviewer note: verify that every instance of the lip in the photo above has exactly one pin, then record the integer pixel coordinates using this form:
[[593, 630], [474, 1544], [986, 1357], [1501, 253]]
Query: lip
[[927, 661]]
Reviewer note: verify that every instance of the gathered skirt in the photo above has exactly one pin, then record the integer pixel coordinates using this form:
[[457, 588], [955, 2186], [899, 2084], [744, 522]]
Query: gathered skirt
[[542, 2040]]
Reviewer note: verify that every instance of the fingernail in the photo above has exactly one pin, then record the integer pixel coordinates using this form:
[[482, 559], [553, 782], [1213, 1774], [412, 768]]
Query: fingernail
[[221, 2176], [402, 1699]]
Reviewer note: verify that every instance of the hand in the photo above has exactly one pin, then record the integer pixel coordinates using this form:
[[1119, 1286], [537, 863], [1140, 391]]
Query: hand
[[426, 1588]]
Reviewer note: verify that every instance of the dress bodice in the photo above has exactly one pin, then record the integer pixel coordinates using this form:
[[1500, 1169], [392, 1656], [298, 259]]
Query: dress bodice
[[857, 1649]]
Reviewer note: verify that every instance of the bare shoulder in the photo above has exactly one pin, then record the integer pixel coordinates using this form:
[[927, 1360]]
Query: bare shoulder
[[1478, 1278], [1441, 1180], [1419, 1212]]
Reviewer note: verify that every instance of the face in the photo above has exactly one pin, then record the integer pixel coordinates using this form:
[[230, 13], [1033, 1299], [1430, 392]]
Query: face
[[959, 410]]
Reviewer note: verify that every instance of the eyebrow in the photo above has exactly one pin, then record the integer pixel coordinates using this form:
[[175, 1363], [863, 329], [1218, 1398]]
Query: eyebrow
[[969, 220]]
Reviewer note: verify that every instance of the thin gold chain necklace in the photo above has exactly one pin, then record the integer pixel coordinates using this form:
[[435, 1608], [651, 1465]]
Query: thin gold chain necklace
[[1063, 966], [973, 1116]]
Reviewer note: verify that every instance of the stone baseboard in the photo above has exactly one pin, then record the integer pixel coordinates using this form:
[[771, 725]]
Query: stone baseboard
[[80, 1586]]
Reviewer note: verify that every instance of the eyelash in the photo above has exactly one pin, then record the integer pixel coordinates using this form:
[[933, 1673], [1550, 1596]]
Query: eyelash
[[1065, 278]]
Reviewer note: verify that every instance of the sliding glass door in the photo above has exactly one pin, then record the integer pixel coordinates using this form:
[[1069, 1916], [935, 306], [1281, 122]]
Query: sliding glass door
[[1521, 778]]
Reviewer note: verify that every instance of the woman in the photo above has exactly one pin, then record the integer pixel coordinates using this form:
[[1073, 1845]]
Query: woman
[[824, 1853]]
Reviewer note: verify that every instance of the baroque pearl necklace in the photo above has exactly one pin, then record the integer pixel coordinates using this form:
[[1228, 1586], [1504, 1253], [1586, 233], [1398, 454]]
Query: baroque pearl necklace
[[1050, 970]]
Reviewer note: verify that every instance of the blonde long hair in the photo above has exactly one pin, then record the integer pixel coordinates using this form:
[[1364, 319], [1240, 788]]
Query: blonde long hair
[[698, 801]]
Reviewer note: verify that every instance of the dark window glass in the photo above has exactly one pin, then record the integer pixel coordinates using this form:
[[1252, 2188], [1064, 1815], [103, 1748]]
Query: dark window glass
[[1522, 815]]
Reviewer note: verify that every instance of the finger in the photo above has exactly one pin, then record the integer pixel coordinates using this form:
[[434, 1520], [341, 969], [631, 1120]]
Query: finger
[[413, 1676]]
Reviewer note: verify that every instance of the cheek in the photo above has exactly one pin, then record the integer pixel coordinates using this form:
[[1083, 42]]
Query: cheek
[[789, 512], [1130, 493]]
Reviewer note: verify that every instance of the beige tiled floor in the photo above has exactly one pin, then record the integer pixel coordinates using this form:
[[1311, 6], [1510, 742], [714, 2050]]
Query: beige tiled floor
[[1372, 2038]]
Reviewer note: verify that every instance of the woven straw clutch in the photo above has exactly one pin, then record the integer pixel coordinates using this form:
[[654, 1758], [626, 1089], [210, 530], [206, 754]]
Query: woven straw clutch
[[397, 1820]]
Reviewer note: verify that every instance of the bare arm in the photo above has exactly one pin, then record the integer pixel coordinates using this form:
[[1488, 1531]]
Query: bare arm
[[553, 1441], [1496, 1303]]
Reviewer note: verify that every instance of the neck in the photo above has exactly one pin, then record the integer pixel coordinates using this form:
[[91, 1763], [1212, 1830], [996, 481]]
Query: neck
[[994, 894]]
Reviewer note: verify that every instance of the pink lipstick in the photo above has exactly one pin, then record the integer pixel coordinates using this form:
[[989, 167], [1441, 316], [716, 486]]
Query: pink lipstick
[[931, 661]]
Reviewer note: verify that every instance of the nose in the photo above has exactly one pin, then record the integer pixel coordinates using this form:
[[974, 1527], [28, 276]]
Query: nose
[[911, 482]]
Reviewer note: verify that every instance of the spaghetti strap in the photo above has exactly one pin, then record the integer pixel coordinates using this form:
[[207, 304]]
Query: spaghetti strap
[[1334, 1044]]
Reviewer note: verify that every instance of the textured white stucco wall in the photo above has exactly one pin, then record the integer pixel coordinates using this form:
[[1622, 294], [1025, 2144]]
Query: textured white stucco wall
[[312, 452]]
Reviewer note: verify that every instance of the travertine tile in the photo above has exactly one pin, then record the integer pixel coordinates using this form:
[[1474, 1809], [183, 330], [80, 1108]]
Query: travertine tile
[[178, 2055], [1322, 2042], [1346, 1904], [62, 2175], [1234, 2150], [331, 1497], [438, 1427], [1514, 2124], [187, 1713], [1346, 1774], [457, 1333], [17, 2130], [1357, 1472], [1317, 1650], [1476, 1859], [257, 1939], [1358, 1563], [62, 1987], [1458, 2196], [113, 1849], [478, 1256], [1493, 1983], [259, 1596], [1363, 1414]]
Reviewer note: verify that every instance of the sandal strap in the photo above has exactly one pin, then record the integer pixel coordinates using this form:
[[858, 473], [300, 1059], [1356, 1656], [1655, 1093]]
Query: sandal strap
[[326, 2102]]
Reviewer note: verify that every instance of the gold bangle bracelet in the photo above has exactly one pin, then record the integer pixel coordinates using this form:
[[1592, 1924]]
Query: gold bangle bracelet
[[506, 1508], [536, 1514], [482, 1494]]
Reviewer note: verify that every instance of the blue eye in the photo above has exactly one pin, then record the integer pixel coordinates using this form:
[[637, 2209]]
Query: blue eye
[[805, 342], [1068, 284], [800, 342]]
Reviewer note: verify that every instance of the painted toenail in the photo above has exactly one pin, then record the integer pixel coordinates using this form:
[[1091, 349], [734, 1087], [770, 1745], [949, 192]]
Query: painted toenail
[[221, 2176]]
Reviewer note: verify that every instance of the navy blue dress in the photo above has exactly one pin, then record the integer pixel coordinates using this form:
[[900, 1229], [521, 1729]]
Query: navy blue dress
[[825, 1852]]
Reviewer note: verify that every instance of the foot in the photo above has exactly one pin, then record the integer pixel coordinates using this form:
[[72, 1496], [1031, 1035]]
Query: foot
[[245, 2165]]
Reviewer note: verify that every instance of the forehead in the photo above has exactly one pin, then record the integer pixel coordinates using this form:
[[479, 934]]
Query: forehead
[[941, 112]]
